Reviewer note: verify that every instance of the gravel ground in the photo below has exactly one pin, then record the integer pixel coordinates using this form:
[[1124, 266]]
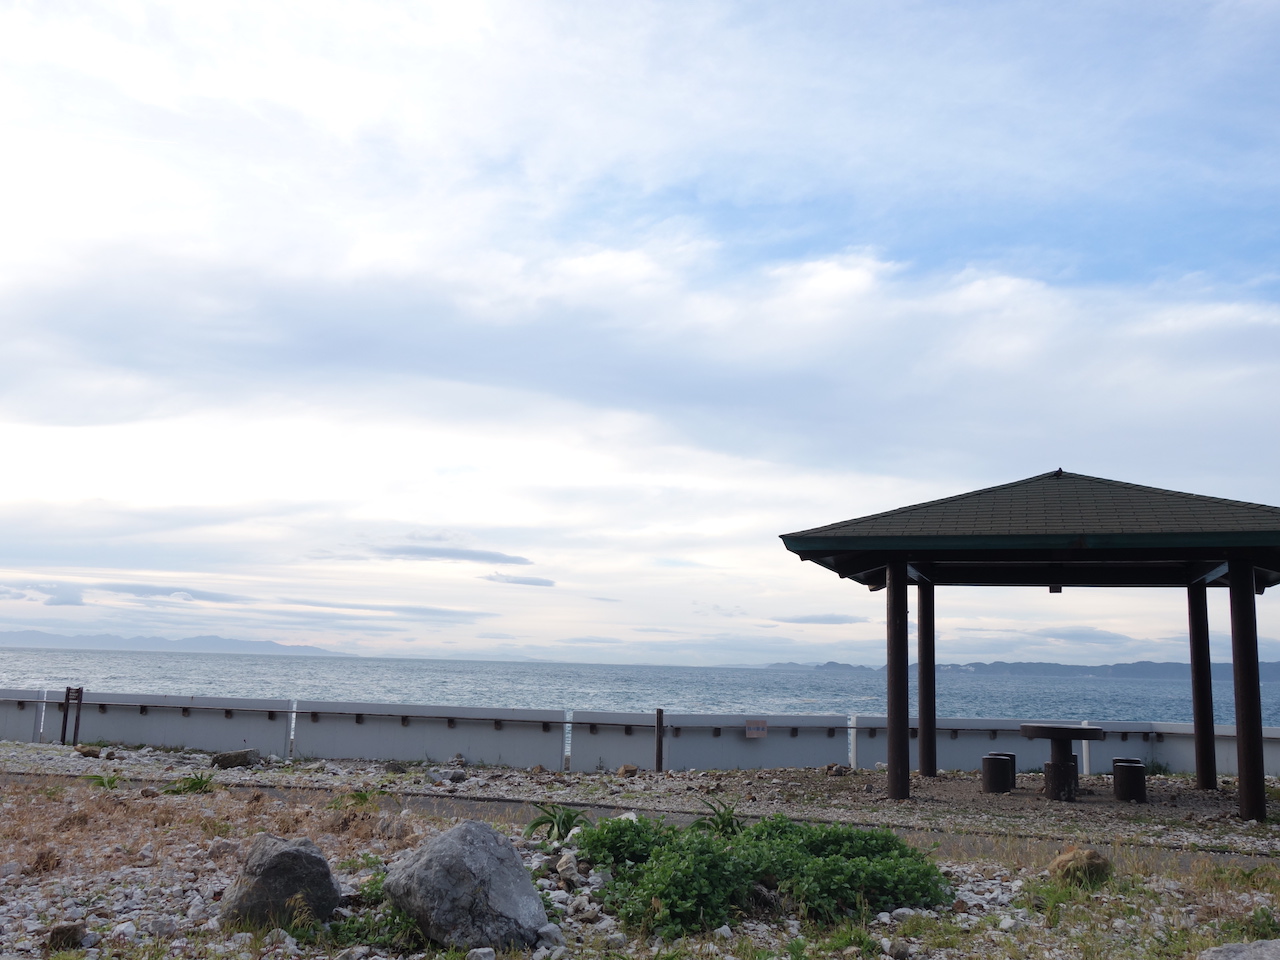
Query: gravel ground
[[144, 869]]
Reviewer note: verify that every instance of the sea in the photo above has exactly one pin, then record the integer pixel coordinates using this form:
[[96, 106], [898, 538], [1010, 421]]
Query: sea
[[594, 686]]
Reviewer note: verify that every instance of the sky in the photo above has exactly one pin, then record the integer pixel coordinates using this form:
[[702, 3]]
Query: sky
[[524, 329]]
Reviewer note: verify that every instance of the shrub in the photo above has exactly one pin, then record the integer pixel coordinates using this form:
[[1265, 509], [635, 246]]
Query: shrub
[[679, 881], [622, 840]]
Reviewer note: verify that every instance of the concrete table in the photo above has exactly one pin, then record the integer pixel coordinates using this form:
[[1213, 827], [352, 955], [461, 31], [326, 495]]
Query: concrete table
[[1059, 772]]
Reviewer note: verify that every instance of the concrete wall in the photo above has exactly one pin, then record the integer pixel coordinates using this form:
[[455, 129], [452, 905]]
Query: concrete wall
[[197, 723], [383, 731], [709, 741], [601, 740], [20, 712]]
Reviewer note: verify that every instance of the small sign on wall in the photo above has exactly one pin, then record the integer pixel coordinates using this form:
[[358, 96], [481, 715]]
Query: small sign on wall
[[757, 729]]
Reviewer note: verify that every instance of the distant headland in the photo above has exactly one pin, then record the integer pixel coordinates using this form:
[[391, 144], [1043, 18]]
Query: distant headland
[[106, 641], [1141, 669]]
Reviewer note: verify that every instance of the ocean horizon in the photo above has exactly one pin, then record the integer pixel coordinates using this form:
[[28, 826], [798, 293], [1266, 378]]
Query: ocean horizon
[[637, 688]]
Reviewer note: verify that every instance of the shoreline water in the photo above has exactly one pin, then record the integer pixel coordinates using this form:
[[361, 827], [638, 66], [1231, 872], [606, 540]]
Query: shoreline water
[[546, 685]]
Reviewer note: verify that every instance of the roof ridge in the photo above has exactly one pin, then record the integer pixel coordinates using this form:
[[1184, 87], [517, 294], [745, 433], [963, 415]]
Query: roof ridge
[[954, 497], [1142, 496], [1177, 493]]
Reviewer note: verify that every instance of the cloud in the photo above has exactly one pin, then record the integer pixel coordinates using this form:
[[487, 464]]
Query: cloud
[[61, 594], [591, 641], [526, 581], [1081, 633], [825, 618], [606, 599], [440, 614], [414, 552], [169, 591]]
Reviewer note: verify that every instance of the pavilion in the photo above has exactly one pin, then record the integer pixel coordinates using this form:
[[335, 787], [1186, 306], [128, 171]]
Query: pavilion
[[1066, 530]]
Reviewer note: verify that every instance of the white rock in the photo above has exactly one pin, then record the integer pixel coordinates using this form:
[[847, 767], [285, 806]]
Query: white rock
[[724, 933]]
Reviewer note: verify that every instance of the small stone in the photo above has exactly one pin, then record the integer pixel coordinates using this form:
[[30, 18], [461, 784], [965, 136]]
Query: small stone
[[1009, 923], [482, 953], [395, 766], [235, 758], [550, 935], [628, 770], [87, 751], [162, 927], [66, 936], [125, 931], [724, 932], [1257, 950]]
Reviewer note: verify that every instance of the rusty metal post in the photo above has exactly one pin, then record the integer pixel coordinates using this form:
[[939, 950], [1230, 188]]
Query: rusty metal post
[[1248, 689], [926, 682], [1202, 686], [899, 786], [66, 713], [657, 741], [79, 698]]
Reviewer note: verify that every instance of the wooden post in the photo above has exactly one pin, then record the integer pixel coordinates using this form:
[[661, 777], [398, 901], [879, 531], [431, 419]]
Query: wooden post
[[927, 739], [1202, 686], [658, 731], [66, 714], [1244, 656], [899, 787]]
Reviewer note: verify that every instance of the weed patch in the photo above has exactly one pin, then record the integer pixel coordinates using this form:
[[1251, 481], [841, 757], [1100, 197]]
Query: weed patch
[[674, 882]]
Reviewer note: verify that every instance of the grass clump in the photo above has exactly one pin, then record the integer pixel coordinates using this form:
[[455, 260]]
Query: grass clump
[[674, 882], [557, 820], [192, 783]]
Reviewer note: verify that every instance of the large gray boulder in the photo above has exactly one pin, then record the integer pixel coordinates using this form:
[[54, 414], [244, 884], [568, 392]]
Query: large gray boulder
[[468, 888], [282, 881]]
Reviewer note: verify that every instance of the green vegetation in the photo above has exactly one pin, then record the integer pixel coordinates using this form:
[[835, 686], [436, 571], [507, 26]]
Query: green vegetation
[[375, 922], [357, 799], [674, 881], [723, 820], [106, 781], [558, 820], [192, 783]]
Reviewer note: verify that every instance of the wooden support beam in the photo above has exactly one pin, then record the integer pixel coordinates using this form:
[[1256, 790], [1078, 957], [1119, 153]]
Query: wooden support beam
[[899, 786], [926, 676], [1202, 685], [1248, 690]]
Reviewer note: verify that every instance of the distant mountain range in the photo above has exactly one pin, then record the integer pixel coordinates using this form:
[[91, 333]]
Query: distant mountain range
[[1142, 669], [105, 641]]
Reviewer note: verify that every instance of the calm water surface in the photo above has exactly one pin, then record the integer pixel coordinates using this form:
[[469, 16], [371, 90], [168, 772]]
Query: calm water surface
[[584, 686]]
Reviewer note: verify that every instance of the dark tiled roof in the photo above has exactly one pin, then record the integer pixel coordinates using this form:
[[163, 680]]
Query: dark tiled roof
[[1056, 504]]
